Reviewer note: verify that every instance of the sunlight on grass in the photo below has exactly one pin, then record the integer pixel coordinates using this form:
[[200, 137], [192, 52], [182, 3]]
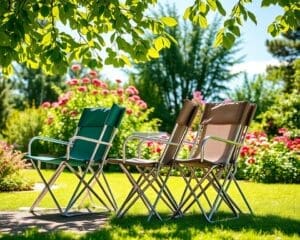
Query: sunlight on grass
[[277, 213]]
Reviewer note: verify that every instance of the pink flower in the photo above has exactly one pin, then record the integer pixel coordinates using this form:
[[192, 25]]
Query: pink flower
[[76, 67], [93, 74], [129, 111], [227, 100], [131, 99], [73, 82], [82, 88], [104, 85], [55, 105], [96, 82], [46, 104], [136, 97], [85, 80], [142, 104]]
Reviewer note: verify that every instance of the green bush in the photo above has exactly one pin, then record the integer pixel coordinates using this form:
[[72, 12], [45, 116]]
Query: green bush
[[90, 91], [21, 126], [11, 163], [283, 113], [270, 161]]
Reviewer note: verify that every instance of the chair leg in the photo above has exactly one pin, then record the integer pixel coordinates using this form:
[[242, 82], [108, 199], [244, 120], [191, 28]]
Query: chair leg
[[48, 185], [140, 194]]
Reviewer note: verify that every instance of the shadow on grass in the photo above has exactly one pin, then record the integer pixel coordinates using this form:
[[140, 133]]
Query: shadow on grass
[[137, 226]]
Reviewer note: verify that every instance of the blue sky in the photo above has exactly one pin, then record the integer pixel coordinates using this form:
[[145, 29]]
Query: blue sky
[[253, 36]]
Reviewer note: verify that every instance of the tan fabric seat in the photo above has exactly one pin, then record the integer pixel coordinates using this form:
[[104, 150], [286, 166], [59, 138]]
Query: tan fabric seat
[[149, 170]]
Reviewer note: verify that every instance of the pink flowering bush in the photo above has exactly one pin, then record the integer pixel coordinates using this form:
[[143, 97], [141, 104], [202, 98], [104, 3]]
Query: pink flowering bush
[[10, 165], [89, 90], [270, 160]]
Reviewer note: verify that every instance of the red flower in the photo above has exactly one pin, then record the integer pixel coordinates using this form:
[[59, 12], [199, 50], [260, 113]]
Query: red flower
[[50, 120], [46, 104], [82, 88], [105, 92], [93, 74], [96, 82], [251, 160], [129, 111], [85, 80], [74, 113], [120, 91], [73, 82], [95, 92], [75, 67]]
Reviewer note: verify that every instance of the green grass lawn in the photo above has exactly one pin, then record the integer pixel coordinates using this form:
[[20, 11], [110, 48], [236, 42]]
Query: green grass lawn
[[276, 207]]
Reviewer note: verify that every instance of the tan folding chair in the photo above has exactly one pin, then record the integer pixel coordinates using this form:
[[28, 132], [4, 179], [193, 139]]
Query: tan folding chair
[[221, 134], [149, 170]]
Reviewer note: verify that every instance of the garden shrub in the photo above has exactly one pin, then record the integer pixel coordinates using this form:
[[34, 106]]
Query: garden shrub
[[88, 90], [270, 161], [21, 126], [283, 113], [11, 163]]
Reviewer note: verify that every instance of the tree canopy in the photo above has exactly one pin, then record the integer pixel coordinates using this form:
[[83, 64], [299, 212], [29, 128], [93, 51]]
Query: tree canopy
[[50, 34]]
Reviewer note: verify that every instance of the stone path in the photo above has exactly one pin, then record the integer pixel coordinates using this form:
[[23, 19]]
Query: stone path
[[16, 222]]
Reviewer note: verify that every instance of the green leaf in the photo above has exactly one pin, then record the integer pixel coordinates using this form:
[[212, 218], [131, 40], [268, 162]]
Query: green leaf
[[202, 21], [212, 4], [158, 43], [46, 39], [219, 38], [220, 8], [153, 53], [252, 17], [45, 10], [169, 21], [187, 13], [235, 30], [228, 40], [203, 8]]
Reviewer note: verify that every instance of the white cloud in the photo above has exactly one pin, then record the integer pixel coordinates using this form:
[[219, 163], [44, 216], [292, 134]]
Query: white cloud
[[253, 67]]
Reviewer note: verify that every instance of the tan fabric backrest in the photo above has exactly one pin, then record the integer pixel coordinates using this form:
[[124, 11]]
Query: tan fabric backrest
[[227, 121], [183, 122]]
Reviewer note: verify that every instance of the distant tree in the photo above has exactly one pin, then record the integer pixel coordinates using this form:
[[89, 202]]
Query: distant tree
[[193, 64], [5, 100], [287, 51], [257, 90], [34, 87]]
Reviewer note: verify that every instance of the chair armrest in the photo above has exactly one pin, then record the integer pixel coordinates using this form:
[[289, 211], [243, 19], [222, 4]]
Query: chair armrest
[[73, 139], [47, 139]]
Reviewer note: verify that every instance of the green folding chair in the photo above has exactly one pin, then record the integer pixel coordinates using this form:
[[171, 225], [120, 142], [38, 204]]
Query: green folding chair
[[86, 152]]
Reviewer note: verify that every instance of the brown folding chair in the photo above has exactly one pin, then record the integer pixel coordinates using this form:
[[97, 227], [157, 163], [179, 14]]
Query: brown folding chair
[[221, 134], [149, 169]]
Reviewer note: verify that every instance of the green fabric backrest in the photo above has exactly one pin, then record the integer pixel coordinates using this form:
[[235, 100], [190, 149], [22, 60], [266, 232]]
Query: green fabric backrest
[[92, 123]]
